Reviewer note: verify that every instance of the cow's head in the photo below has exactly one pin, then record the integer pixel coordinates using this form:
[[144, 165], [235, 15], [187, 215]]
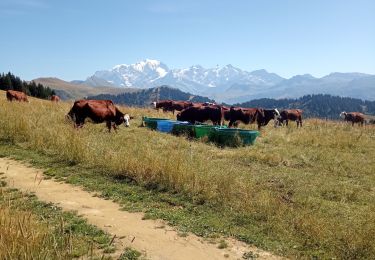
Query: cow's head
[[276, 113], [153, 104], [123, 118], [276, 117], [179, 118], [126, 120], [343, 115]]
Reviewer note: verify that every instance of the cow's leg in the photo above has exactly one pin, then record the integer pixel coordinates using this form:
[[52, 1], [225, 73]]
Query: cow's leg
[[286, 122], [231, 123], [78, 123], [109, 126], [114, 127], [300, 123]]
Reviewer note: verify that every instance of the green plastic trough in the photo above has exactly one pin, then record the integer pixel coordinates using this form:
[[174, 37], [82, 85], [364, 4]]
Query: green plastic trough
[[205, 130], [233, 137], [184, 129], [221, 135]]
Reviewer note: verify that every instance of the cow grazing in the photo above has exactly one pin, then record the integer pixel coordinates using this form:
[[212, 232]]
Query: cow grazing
[[171, 105], [55, 98], [266, 115], [353, 117], [16, 95], [291, 114], [202, 114], [98, 111], [244, 115]]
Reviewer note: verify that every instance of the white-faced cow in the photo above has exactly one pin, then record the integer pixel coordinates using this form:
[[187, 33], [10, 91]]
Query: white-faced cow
[[98, 111], [171, 105], [353, 117]]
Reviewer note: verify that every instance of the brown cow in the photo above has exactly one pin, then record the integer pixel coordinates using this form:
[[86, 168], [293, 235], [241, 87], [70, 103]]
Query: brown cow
[[171, 105], [98, 111], [291, 114], [16, 95], [55, 98], [202, 114], [226, 112], [164, 104], [354, 117], [244, 115]]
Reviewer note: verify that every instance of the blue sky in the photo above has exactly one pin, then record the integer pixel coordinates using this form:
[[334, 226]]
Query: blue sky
[[71, 39]]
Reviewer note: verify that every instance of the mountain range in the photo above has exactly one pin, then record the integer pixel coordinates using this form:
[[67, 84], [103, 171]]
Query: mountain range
[[231, 84]]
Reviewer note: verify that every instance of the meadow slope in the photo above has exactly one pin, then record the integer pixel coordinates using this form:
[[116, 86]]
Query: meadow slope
[[299, 192]]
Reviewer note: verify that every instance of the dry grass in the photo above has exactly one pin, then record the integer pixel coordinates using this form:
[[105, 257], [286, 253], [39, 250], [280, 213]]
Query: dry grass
[[34, 230], [313, 187]]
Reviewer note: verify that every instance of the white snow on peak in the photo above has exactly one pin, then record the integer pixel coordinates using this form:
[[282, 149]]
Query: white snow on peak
[[162, 72], [151, 73]]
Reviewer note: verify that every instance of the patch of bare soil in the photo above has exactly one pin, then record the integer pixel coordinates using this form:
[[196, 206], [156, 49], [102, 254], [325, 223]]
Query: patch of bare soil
[[155, 239]]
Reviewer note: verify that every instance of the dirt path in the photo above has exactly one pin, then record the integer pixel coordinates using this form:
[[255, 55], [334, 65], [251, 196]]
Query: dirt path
[[153, 238]]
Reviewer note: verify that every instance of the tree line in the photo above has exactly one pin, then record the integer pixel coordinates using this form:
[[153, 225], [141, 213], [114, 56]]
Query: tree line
[[9, 81], [144, 97], [319, 105]]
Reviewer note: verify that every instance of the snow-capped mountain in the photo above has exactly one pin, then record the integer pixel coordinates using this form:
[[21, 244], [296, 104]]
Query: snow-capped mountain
[[231, 84], [140, 74], [152, 73]]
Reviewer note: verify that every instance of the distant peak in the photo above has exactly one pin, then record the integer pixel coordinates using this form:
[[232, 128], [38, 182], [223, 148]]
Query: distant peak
[[306, 75], [141, 64], [260, 71], [197, 66], [230, 67], [151, 61]]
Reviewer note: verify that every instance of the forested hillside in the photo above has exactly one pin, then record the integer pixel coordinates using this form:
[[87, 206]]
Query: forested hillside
[[145, 97], [12, 82], [321, 106]]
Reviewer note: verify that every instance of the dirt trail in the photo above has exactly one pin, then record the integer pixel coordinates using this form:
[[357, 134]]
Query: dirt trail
[[153, 238]]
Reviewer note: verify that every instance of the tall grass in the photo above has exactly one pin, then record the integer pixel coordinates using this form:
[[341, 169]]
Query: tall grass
[[34, 230], [312, 186]]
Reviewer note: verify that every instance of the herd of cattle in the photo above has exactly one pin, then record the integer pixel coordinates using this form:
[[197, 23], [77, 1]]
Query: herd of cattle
[[100, 111], [218, 114]]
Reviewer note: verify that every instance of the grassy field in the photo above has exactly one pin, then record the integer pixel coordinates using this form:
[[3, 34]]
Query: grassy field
[[30, 229], [298, 192]]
